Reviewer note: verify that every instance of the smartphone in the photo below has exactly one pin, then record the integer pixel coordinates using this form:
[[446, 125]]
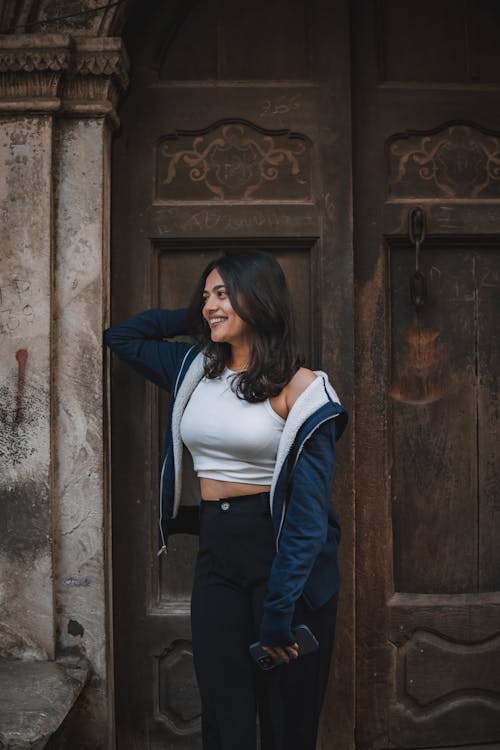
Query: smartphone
[[307, 644]]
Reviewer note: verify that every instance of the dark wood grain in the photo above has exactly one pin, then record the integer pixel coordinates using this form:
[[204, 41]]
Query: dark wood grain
[[222, 40], [439, 42], [262, 40], [487, 276], [433, 424], [416, 50], [423, 450]]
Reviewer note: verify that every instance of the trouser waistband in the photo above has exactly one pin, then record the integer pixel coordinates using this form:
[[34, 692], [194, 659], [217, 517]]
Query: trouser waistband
[[258, 499]]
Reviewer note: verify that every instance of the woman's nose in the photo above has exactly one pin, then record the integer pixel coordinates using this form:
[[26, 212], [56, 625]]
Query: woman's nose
[[210, 304]]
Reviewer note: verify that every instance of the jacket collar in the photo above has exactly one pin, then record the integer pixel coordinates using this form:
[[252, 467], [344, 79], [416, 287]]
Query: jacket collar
[[185, 388], [317, 394]]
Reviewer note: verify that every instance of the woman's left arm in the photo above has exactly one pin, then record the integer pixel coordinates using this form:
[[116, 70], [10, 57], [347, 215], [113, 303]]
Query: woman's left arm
[[302, 536]]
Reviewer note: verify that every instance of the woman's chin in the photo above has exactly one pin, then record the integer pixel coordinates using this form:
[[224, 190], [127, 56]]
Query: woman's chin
[[216, 337]]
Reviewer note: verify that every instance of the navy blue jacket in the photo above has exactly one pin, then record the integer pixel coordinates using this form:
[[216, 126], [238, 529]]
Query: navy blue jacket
[[306, 527]]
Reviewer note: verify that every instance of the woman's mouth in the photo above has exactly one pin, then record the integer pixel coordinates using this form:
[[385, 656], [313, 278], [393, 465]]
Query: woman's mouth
[[216, 320]]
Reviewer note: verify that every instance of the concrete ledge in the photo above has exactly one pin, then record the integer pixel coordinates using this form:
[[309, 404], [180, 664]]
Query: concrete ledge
[[35, 697]]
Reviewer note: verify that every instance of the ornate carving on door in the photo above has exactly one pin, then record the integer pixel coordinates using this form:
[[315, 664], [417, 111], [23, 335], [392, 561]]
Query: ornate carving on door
[[457, 161], [233, 160]]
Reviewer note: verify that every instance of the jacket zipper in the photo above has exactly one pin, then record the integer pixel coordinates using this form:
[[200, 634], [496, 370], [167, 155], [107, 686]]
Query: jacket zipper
[[283, 511], [163, 547]]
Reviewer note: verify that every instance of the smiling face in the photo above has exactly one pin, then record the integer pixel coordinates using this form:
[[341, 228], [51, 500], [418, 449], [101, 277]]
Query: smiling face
[[226, 326]]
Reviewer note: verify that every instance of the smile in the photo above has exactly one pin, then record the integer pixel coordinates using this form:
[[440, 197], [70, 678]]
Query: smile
[[215, 321]]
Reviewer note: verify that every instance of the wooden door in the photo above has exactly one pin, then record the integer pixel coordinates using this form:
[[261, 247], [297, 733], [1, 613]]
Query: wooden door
[[427, 123], [236, 132]]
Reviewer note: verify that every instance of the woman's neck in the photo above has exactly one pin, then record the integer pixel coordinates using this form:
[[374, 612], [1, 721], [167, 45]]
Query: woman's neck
[[240, 357]]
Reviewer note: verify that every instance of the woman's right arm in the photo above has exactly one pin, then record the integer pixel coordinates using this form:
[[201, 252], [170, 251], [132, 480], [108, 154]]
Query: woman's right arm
[[140, 341]]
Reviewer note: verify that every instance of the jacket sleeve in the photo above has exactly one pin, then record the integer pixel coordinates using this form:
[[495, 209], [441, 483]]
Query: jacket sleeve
[[302, 536], [140, 341]]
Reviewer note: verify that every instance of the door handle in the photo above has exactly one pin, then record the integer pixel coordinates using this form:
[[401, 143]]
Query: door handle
[[416, 233]]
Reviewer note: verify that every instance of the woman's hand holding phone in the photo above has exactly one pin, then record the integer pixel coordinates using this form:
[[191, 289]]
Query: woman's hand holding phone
[[284, 654], [268, 657]]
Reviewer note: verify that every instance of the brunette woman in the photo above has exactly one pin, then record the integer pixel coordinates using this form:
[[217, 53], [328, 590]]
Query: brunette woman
[[258, 432]]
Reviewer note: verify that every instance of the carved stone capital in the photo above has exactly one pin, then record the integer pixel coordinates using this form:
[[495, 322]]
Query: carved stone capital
[[31, 52], [101, 56], [77, 76], [97, 78], [30, 71]]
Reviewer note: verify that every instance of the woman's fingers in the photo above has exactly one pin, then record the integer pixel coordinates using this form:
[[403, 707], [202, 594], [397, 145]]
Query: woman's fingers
[[273, 652], [285, 654], [276, 653], [282, 654]]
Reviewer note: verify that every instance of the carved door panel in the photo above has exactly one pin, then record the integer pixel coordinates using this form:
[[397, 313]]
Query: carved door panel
[[235, 132], [428, 477]]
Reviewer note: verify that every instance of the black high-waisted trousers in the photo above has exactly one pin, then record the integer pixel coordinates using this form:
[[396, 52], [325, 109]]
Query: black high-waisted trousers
[[237, 548]]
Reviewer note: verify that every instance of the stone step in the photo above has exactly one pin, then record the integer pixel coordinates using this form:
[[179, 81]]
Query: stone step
[[35, 697]]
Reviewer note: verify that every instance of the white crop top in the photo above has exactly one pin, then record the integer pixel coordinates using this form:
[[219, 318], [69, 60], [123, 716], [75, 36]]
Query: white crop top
[[230, 439]]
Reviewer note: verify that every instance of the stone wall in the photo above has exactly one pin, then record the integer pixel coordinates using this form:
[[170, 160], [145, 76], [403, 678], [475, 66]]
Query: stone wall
[[26, 595], [57, 110]]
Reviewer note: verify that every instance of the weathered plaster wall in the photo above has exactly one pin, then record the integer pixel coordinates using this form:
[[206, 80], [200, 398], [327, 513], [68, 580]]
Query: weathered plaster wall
[[26, 578], [80, 497], [57, 108]]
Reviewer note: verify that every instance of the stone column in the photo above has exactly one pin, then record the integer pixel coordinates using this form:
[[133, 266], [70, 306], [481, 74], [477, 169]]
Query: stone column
[[58, 111], [81, 216], [30, 76]]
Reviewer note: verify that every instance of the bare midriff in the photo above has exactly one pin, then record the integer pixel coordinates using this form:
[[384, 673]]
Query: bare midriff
[[213, 489]]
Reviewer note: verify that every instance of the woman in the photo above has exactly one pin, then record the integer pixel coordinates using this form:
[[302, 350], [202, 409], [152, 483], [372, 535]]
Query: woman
[[259, 431]]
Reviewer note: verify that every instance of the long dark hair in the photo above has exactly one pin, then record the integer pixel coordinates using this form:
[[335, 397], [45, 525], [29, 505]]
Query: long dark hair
[[258, 292]]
